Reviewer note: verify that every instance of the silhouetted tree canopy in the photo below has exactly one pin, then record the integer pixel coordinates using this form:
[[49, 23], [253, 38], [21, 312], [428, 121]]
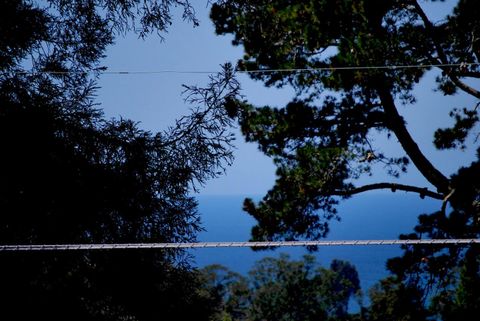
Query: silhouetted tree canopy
[[321, 140], [68, 175], [284, 289]]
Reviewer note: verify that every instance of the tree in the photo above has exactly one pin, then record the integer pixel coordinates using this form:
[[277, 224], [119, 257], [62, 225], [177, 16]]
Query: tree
[[68, 175], [462, 301], [229, 289], [393, 300], [285, 289], [320, 141]]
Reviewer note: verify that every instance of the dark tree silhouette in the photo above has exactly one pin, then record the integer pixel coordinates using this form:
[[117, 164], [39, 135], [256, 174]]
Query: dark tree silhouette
[[320, 140], [68, 175], [284, 289]]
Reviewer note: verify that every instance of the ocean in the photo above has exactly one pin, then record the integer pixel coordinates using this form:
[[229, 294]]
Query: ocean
[[380, 215]]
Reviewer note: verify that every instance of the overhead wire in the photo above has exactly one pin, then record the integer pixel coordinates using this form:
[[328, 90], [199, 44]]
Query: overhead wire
[[125, 246], [254, 71]]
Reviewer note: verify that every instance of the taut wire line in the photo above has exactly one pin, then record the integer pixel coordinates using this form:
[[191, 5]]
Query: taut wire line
[[125, 246], [256, 71]]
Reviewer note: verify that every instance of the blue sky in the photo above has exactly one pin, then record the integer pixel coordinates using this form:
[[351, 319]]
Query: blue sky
[[155, 100]]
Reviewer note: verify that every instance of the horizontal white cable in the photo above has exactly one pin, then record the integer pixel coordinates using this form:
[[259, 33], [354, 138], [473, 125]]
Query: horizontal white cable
[[290, 70], [73, 247], [360, 68]]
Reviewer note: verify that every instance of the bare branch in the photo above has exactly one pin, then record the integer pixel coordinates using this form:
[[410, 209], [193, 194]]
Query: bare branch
[[441, 54], [397, 125], [446, 199], [423, 192], [471, 74]]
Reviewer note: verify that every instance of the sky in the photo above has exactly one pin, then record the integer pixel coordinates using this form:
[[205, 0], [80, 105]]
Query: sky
[[155, 100]]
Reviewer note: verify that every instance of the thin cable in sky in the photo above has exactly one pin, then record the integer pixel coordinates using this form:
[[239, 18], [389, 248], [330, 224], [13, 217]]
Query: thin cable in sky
[[125, 246], [256, 71], [361, 68]]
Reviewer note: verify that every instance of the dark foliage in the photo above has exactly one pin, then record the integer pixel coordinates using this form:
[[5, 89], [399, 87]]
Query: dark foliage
[[283, 289], [68, 175], [392, 300], [320, 142]]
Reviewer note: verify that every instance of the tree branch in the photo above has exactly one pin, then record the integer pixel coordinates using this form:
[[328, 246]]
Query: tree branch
[[472, 74], [466, 88], [441, 54], [396, 123], [394, 187]]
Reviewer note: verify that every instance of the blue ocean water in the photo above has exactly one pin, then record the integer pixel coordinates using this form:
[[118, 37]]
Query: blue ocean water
[[370, 216]]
